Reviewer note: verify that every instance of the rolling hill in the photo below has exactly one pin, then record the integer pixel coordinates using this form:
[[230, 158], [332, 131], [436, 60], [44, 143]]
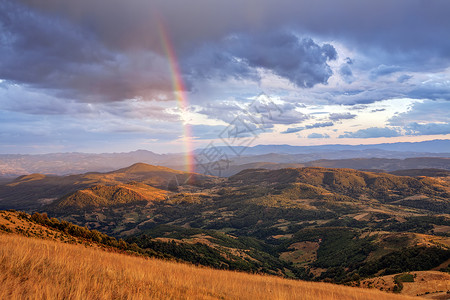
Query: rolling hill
[[37, 190], [105, 196], [35, 264], [307, 223]]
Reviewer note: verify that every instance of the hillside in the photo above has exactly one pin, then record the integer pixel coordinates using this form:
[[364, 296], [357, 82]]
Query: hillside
[[37, 190], [356, 184], [101, 195], [38, 269], [234, 169], [305, 223], [426, 284]]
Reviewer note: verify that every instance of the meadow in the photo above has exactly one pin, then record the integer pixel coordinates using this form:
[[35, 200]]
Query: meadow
[[32, 268]]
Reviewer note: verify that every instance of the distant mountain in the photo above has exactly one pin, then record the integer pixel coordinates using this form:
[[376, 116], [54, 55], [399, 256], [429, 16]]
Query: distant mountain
[[434, 146], [422, 172], [13, 165], [384, 163], [75, 163]]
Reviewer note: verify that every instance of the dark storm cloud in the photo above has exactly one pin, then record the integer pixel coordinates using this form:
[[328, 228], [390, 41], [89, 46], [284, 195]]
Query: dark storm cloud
[[372, 132], [346, 71], [404, 78], [300, 60], [403, 25], [111, 49], [50, 53], [435, 90], [383, 70]]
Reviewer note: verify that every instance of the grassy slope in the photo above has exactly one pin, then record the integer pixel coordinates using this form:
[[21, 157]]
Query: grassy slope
[[101, 195], [433, 283], [42, 269]]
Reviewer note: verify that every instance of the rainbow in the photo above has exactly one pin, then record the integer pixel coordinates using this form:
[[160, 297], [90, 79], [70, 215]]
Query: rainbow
[[180, 92]]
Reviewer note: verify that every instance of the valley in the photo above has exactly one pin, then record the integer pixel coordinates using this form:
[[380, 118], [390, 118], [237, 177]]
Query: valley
[[310, 223]]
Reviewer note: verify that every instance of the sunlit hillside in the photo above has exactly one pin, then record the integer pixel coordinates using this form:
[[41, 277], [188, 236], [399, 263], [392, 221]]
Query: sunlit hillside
[[42, 269]]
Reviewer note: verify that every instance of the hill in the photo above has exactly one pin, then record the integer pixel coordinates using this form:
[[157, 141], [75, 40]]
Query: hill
[[101, 196], [349, 182], [39, 269], [37, 190], [305, 223], [234, 169]]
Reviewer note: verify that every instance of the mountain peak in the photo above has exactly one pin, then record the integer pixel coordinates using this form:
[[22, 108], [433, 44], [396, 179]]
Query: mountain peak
[[144, 168]]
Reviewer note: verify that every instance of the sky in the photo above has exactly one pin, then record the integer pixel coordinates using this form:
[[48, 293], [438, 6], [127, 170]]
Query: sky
[[169, 76]]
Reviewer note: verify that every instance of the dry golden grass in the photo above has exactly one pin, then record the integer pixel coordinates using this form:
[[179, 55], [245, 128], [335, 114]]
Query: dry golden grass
[[33, 268], [425, 282]]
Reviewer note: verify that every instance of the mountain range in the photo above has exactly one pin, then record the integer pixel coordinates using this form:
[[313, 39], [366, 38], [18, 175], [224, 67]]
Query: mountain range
[[13, 165]]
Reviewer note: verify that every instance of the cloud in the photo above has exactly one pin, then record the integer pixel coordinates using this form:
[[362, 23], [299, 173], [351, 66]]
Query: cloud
[[87, 51], [318, 136], [432, 89], [259, 113], [341, 116], [427, 129], [24, 133], [300, 60], [423, 112], [319, 125], [346, 73], [293, 130], [372, 132], [84, 60], [207, 131], [403, 78], [311, 126], [413, 26], [383, 70], [65, 60], [15, 98]]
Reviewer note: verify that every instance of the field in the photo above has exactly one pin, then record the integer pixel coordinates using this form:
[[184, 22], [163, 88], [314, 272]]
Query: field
[[33, 268]]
